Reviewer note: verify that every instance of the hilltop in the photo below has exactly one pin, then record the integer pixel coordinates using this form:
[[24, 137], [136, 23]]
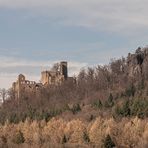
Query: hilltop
[[108, 88], [117, 92]]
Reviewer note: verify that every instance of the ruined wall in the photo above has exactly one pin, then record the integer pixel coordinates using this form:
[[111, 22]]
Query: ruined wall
[[55, 77], [23, 86], [45, 77]]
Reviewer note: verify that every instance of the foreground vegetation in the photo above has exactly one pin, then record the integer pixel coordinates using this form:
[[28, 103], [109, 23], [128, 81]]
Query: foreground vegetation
[[107, 133]]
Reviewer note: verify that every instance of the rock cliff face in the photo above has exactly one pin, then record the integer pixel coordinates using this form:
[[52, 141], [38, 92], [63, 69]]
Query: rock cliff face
[[137, 63]]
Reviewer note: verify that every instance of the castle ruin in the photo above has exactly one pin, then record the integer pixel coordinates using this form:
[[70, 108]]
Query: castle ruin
[[55, 77], [22, 85], [52, 77]]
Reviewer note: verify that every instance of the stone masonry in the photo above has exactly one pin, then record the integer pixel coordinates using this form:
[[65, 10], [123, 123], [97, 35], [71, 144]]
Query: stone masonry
[[47, 78]]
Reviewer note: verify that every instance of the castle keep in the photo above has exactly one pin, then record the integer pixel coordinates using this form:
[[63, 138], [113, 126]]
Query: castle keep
[[55, 77], [52, 77]]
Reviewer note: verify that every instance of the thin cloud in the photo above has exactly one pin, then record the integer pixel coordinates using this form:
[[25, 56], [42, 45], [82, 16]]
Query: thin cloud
[[113, 15], [127, 18]]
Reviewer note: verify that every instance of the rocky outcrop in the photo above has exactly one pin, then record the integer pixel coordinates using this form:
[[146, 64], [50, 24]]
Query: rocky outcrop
[[137, 63]]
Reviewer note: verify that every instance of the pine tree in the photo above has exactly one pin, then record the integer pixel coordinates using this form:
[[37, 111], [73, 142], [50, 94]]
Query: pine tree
[[108, 143], [64, 140]]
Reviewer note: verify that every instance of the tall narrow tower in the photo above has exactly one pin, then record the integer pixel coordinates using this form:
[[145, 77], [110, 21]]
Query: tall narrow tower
[[21, 79], [63, 69]]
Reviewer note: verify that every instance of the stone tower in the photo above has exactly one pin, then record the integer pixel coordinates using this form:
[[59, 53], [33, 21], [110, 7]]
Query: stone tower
[[17, 86], [21, 79], [63, 69], [55, 77]]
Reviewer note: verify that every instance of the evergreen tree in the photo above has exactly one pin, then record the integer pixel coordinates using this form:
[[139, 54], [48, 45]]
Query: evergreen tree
[[109, 102], [19, 138], [64, 140], [108, 143]]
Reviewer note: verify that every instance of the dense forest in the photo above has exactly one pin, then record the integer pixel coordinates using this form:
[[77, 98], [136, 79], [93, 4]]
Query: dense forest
[[107, 106]]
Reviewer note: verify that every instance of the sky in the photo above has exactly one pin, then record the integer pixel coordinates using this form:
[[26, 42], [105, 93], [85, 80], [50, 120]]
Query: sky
[[34, 34]]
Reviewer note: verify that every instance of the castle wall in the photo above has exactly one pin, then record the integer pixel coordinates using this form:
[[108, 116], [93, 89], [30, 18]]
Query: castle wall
[[21, 86], [55, 77], [45, 78]]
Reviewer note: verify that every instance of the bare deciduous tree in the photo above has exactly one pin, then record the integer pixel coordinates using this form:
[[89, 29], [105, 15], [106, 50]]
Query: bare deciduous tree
[[55, 67], [3, 94]]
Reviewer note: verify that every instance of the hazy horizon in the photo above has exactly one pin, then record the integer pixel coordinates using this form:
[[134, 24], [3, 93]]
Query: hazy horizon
[[35, 34]]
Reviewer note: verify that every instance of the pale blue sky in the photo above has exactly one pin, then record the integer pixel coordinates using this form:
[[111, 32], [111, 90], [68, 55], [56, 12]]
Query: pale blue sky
[[35, 33]]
